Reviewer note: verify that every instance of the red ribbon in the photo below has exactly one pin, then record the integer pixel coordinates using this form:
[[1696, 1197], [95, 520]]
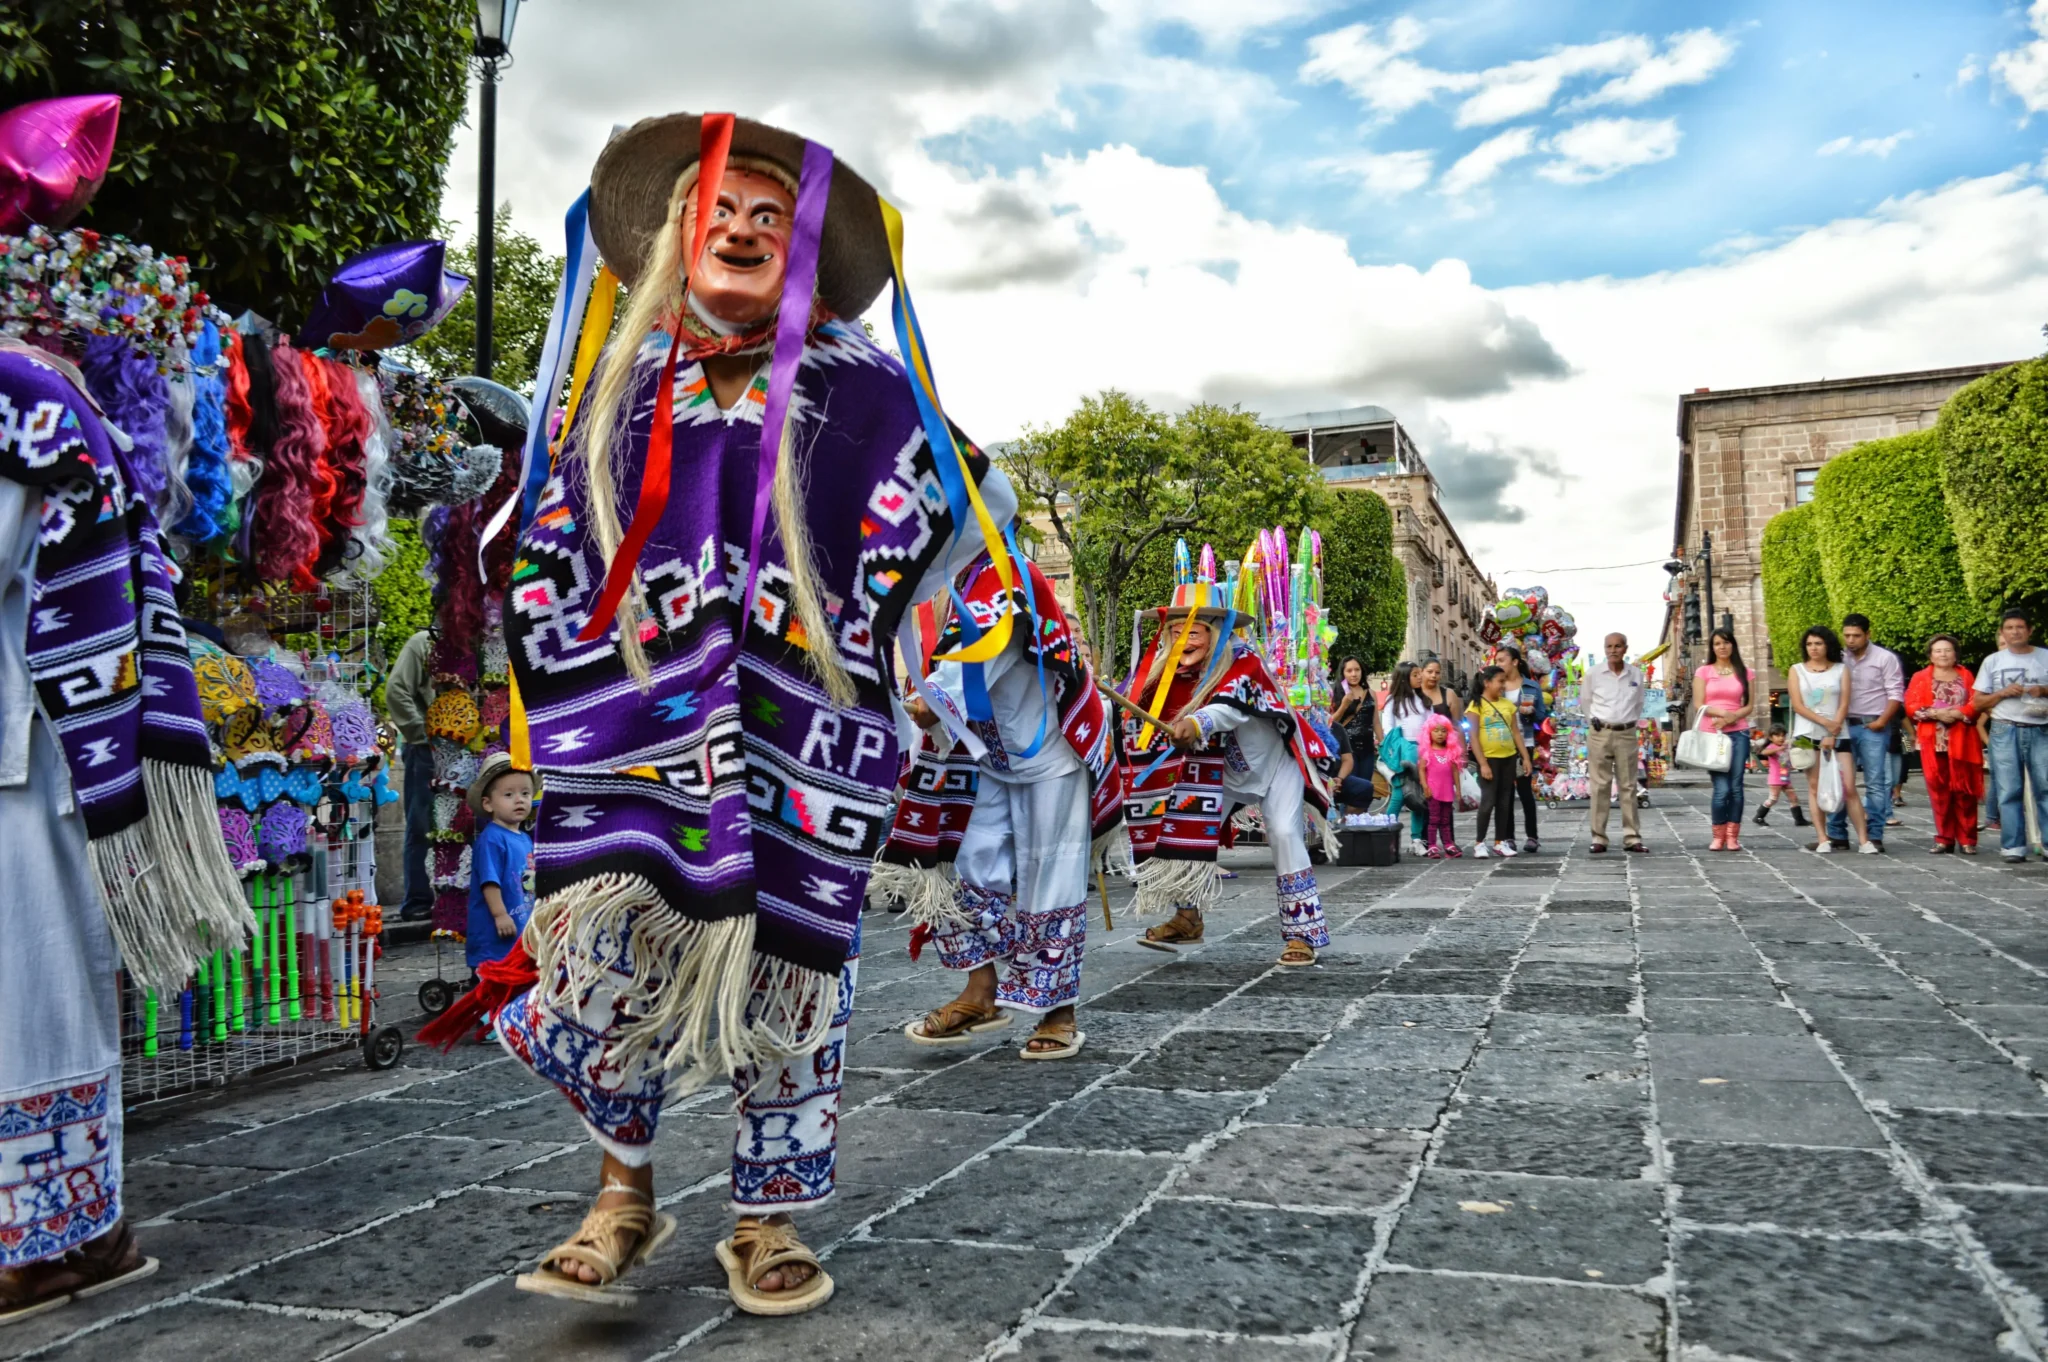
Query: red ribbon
[[654, 480], [714, 144], [498, 983]]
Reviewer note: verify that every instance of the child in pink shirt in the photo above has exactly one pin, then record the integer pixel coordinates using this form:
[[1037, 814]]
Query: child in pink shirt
[[1779, 777], [1442, 759]]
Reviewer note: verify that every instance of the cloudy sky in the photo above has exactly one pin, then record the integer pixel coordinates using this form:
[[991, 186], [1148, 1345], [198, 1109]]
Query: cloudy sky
[[1523, 228]]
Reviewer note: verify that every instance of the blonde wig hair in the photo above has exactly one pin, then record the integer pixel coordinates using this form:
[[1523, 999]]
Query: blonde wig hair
[[657, 301]]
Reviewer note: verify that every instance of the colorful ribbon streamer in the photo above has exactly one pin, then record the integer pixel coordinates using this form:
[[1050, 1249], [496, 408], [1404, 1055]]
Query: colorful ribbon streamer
[[955, 475]]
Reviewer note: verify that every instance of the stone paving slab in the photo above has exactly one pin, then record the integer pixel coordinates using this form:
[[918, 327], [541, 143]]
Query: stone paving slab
[[1687, 1107]]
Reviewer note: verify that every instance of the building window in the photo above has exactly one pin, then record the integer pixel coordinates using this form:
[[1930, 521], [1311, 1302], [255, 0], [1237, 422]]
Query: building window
[[1802, 485]]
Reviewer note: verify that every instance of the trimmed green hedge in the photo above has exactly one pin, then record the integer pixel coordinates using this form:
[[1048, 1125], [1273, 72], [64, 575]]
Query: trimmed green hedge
[[1886, 546], [1994, 478], [1795, 593], [404, 593], [1364, 588]]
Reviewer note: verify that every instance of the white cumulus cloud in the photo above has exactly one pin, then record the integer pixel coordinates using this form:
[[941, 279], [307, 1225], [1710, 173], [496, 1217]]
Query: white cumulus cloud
[[1375, 63], [1600, 147], [1879, 147], [2024, 70], [1517, 89], [1484, 161], [1390, 173], [1687, 59]]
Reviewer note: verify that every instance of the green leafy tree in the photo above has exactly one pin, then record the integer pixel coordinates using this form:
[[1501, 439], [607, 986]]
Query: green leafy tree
[[526, 277], [1994, 478], [1795, 592], [1886, 548], [1250, 477], [265, 140], [1117, 483], [1111, 480]]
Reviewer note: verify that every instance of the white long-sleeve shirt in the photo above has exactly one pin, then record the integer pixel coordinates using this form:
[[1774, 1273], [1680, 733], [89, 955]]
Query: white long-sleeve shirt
[[1255, 756], [1021, 712]]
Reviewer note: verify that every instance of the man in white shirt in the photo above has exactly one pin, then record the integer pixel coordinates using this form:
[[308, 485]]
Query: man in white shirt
[[2013, 685], [1612, 698]]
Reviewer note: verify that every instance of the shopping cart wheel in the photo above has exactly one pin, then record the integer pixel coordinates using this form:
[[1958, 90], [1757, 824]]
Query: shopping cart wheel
[[435, 996], [383, 1046]]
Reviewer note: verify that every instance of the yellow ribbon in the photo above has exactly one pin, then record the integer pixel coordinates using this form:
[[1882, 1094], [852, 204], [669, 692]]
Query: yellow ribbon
[[597, 326], [992, 643], [1172, 664]]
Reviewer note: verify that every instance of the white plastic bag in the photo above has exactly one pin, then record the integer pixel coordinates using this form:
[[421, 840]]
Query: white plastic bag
[[1702, 750], [1828, 793], [1468, 790]]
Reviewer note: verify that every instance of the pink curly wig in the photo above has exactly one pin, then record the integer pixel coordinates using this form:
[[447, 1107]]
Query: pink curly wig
[[287, 530], [348, 427]]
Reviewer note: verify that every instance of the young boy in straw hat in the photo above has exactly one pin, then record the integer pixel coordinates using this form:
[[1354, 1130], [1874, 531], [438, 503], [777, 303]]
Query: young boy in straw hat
[[502, 798], [750, 497]]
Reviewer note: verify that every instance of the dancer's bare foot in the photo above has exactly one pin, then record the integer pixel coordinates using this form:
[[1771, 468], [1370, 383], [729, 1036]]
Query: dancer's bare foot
[[640, 1180]]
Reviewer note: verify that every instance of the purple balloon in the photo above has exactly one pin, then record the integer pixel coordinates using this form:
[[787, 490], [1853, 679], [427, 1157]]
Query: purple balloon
[[53, 155], [384, 297]]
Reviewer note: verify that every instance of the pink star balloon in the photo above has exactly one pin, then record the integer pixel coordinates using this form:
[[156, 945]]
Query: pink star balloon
[[53, 155]]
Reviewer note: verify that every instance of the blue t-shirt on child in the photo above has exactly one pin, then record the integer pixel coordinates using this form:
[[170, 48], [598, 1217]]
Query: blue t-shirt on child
[[498, 856]]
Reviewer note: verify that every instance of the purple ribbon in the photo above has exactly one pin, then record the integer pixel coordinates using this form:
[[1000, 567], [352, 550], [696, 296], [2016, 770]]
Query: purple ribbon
[[792, 325]]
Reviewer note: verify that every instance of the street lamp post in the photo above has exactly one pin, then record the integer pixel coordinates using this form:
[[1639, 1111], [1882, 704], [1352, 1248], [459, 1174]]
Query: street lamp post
[[494, 20]]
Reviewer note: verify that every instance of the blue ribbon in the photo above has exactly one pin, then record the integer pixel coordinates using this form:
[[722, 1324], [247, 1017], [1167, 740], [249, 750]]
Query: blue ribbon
[[559, 352]]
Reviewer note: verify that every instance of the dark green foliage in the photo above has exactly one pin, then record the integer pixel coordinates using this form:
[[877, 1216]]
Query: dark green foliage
[[1364, 588], [404, 592], [265, 140], [1886, 549], [1994, 478], [1795, 593]]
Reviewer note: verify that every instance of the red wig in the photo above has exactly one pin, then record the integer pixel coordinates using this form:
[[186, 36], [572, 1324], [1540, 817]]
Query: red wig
[[287, 536]]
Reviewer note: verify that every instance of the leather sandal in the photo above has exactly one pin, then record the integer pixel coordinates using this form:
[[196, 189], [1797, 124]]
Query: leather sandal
[[1066, 1040], [611, 1241], [1184, 928], [758, 1247], [98, 1265], [1297, 952], [956, 1023]]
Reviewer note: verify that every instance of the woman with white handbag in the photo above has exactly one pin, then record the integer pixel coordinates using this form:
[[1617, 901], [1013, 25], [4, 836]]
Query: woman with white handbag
[[1820, 707], [1722, 688]]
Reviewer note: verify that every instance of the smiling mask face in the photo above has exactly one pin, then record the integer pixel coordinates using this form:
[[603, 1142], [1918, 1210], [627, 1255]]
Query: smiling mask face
[[738, 279]]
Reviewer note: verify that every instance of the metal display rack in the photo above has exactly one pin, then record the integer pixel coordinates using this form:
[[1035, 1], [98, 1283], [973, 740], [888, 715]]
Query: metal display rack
[[304, 986]]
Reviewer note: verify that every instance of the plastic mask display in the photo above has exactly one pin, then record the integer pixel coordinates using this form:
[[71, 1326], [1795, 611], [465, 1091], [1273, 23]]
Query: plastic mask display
[[738, 279]]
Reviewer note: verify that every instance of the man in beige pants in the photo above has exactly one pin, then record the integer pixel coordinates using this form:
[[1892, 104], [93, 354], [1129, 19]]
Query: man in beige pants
[[1612, 698]]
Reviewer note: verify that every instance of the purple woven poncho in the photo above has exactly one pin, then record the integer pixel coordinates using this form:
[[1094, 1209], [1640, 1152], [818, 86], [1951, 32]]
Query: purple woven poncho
[[771, 852]]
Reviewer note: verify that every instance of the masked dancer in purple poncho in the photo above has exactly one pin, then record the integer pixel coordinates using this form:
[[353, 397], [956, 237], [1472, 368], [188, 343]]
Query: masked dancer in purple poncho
[[716, 793]]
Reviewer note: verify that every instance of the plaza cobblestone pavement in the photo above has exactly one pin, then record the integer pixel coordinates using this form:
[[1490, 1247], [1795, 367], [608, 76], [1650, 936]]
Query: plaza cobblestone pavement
[[1676, 1106]]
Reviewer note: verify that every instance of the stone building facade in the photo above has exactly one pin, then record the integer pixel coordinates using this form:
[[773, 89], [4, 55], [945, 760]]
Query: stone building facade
[[1745, 454], [1366, 450]]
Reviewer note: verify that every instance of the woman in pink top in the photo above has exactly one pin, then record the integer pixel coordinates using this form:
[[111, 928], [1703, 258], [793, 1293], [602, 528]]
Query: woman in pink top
[[1722, 688]]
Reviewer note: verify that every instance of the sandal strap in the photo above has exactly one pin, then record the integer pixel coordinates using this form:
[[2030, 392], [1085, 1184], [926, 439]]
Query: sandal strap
[[951, 1016], [1062, 1033], [596, 1243], [764, 1246]]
